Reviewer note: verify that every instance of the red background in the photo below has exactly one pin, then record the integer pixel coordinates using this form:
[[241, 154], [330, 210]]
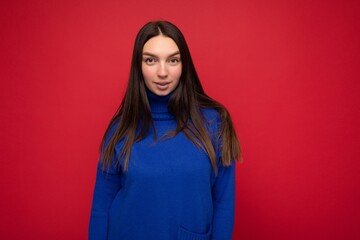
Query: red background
[[288, 71]]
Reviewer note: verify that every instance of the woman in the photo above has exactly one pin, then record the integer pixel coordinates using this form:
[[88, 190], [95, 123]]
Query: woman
[[166, 169]]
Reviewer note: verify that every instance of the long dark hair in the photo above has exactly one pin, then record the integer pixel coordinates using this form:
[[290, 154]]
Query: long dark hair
[[134, 116]]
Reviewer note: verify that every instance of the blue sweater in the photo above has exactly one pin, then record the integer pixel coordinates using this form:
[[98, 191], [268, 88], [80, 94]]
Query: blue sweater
[[169, 191]]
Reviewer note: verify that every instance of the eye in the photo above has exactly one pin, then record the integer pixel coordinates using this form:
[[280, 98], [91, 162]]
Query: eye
[[149, 60], [174, 61]]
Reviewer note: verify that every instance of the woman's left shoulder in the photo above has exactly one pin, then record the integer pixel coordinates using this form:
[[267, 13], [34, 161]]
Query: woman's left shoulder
[[212, 120], [211, 115]]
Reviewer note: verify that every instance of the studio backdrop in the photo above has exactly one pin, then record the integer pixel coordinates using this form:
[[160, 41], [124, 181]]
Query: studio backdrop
[[288, 72]]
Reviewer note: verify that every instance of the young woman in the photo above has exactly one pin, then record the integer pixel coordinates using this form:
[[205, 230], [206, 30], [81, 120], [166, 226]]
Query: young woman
[[166, 168]]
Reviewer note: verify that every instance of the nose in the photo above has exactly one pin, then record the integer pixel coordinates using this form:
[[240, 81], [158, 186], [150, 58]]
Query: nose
[[162, 71]]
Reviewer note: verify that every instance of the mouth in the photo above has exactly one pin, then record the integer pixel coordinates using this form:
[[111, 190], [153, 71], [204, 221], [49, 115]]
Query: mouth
[[162, 83], [162, 86]]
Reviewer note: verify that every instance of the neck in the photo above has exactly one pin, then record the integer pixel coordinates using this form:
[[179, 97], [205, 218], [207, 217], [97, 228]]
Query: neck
[[159, 106]]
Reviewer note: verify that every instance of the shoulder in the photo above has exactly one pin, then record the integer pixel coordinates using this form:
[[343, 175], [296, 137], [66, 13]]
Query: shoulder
[[110, 131], [211, 116], [210, 113], [212, 120], [107, 138]]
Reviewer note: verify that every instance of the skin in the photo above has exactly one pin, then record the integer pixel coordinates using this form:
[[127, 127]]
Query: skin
[[161, 65]]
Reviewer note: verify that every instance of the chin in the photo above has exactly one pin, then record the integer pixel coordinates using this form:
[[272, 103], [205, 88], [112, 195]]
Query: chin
[[162, 93]]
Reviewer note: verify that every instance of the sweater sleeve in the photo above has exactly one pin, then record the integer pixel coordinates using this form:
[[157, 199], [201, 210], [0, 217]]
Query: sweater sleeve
[[224, 203], [108, 183], [223, 193], [106, 187]]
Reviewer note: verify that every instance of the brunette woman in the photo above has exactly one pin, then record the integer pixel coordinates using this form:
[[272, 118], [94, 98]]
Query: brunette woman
[[166, 168]]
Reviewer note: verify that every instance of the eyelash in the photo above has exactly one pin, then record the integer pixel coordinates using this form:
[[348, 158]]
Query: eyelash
[[149, 60], [176, 60], [152, 60]]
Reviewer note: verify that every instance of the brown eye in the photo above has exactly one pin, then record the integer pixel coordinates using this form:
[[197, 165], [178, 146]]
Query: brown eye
[[149, 61], [174, 61]]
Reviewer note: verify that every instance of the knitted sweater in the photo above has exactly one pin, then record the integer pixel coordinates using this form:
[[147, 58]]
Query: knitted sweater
[[169, 191]]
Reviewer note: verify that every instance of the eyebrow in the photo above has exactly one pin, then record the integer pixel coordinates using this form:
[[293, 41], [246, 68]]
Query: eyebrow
[[154, 55]]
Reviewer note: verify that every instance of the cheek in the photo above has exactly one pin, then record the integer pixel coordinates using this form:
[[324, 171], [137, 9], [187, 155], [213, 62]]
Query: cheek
[[146, 72], [177, 73]]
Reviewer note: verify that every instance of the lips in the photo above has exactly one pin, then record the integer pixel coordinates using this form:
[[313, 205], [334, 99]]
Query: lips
[[162, 83], [162, 86]]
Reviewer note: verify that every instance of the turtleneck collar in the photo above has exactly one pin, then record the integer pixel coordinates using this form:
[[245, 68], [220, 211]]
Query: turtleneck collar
[[159, 106]]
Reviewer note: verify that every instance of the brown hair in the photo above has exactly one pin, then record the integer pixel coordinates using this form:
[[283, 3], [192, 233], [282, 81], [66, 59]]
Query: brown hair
[[133, 117]]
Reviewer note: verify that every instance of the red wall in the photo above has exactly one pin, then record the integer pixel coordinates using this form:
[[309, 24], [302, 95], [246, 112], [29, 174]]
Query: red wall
[[288, 71]]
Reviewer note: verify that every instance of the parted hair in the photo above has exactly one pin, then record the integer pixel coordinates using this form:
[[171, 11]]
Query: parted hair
[[133, 117]]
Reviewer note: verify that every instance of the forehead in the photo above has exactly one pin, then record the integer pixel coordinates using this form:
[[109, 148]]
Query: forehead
[[160, 45]]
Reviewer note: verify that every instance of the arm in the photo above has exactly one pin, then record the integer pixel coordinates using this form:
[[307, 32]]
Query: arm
[[106, 187], [224, 203], [223, 188]]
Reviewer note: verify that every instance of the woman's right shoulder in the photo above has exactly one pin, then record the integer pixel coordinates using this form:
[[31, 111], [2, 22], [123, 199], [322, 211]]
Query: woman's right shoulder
[[110, 130], [109, 133]]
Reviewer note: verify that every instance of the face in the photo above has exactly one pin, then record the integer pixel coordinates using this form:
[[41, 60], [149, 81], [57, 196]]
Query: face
[[161, 65]]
